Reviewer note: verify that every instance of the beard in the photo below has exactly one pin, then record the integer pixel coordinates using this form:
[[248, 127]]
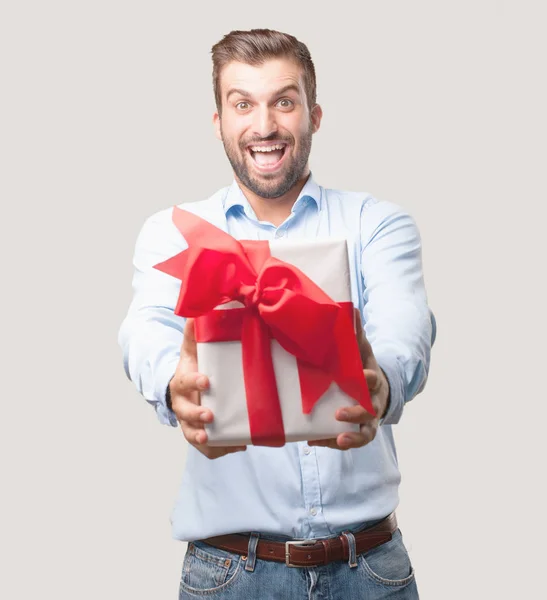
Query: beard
[[272, 185]]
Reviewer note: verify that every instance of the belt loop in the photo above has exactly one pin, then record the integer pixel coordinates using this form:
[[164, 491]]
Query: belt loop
[[251, 552], [326, 546], [352, 562]]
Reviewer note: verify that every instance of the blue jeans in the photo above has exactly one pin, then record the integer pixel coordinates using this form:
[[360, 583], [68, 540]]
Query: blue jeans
[[383, 572]]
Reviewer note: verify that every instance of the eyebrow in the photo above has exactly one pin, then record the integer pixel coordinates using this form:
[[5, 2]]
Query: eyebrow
[[290, 87]]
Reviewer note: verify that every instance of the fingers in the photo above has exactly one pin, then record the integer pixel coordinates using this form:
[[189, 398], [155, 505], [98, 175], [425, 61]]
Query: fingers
[[324, 444], [185, 403], [345, 441], [197, 436], [354, 414], [213, 452], [186, 383], [348, 440], [199, 439], [191, 413], [186, 386], [192, 419], [194, 434]]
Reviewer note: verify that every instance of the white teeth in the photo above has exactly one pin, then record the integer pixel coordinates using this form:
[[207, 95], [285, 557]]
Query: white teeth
[[267, 148]]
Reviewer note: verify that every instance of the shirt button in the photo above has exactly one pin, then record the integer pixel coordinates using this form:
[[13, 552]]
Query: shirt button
[[313, 512], [307, 450], [280, 234]]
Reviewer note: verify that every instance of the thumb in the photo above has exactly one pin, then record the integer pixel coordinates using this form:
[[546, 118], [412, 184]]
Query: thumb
[[365, 349], [189, 345], [372, 378]]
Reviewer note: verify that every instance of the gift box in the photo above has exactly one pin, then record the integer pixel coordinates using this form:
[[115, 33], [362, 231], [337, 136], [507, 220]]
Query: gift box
[[275, 330]]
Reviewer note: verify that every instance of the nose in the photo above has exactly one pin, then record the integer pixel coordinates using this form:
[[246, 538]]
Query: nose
[[264, 123]]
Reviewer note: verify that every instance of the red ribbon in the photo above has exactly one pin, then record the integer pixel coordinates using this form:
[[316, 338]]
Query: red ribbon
[[280, 302]]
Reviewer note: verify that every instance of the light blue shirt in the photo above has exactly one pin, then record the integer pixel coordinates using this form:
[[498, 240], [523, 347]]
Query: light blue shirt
[[296, 491]]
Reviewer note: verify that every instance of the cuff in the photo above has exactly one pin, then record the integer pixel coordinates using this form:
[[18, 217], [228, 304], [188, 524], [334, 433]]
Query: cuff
[[163, 376], [392, 370]]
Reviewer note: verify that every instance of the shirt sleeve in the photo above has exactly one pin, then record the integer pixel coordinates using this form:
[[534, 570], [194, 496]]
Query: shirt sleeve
[[151, 334], [398, 322]]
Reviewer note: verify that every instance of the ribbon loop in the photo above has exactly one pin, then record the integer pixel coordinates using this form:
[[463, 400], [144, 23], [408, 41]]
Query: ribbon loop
[[281, 302]]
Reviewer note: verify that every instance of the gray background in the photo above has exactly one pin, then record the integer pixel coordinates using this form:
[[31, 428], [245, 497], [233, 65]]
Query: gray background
[[106, 117]]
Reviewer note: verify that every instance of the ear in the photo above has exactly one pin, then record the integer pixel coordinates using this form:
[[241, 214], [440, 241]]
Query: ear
[[316, 116], [216, 124]]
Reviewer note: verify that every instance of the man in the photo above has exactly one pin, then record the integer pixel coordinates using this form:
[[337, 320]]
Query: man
[[252, 504]]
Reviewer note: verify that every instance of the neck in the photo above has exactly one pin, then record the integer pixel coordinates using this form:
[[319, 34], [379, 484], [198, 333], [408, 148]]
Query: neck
[[274, 210]]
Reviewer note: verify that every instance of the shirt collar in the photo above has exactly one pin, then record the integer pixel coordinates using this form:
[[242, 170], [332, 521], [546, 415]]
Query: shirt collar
[[235, 197]]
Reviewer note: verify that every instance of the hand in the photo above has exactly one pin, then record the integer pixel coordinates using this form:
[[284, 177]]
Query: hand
[[378, 386], [185, 387]]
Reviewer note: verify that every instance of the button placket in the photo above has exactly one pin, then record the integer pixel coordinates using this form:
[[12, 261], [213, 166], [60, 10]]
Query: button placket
[[311, 491]]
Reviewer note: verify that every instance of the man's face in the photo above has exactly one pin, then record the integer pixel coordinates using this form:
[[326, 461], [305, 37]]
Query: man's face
[[266, 125]]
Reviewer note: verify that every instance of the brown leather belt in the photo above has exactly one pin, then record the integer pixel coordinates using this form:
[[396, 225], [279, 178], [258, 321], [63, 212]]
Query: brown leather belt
[[309, 553]]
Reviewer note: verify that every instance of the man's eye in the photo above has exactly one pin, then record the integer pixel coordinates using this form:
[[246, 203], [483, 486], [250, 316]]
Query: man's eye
[[242, 105], [285, 103]]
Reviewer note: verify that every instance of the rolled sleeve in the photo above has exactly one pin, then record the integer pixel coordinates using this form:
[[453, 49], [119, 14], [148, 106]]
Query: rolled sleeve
[[151, 334], [397, 320]]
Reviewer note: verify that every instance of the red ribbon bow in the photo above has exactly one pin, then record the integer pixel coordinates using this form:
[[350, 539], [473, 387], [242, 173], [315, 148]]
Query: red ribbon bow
[[280, 302]]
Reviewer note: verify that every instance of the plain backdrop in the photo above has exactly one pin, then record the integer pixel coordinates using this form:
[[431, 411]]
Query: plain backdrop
[[105, 118]]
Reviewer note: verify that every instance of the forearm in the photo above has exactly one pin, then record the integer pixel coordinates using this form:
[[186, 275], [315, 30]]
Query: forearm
[[398, 322], [151, 334], [151, 348], [404, 358]]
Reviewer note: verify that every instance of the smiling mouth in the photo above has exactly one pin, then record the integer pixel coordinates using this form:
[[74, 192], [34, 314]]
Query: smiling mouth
[[267, 157]]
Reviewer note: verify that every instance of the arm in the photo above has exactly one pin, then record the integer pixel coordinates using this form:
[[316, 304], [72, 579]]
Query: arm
[[159, 348], [151, 334], [399, 329], [398, 322]]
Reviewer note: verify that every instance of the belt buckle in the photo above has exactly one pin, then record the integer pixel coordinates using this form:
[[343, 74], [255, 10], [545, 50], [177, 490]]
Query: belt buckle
[[288, 551]]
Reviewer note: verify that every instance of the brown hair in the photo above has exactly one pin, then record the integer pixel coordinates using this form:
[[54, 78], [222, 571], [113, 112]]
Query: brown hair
[[256, 46]]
